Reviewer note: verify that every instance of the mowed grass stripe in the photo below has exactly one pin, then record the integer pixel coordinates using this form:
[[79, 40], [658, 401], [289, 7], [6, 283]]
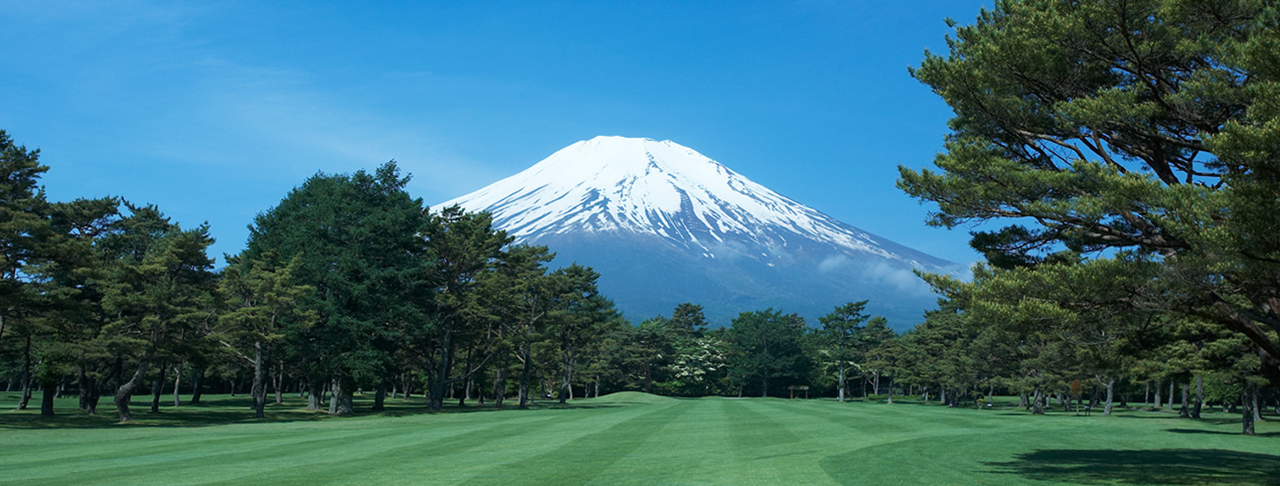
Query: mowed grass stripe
[[422, 456], [583, 458], [125, 460], [692, 449], [640, 439], [263, 449]]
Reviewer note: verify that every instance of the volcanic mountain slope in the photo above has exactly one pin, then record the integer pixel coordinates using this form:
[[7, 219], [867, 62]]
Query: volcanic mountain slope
[[664, 224]]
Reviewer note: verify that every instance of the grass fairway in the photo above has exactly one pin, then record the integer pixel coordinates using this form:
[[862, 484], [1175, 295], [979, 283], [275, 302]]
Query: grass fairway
[[631, 438]]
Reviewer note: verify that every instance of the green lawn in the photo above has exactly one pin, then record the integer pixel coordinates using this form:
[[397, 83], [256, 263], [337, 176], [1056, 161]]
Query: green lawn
[[632, 438]]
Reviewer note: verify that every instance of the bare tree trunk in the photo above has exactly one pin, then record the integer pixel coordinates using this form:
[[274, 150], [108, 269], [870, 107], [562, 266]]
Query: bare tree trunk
[[842, 384], [125, 393], [1185, 411], [333, 396], [525, 370], [1195, 410], [315, 392], [380, 396], [158, 389], [47, 398], [279, 385], [1158, 403], [259, 388], [90, 392], [1111, 385], [27, 381], [1246, 410], [177, 385], [1037, 403], [442, 372], [1257, 411], [342, 402], [566, 376], [197, 385], [500, 385]]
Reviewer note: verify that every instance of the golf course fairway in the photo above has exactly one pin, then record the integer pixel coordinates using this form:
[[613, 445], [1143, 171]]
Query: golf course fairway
[[631, 438]]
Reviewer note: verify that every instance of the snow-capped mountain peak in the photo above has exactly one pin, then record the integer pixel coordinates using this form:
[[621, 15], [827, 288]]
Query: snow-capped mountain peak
[[661, 188]]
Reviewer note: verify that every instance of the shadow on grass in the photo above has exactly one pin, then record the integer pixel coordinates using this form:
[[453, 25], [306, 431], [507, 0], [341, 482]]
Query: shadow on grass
[[224, 410], [1218, 432], [1150, 467]]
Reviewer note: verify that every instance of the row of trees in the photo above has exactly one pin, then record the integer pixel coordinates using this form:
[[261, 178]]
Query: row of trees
[[347, 284], [1130, 149]]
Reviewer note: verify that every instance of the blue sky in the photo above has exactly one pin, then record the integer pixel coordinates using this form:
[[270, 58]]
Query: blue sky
[[215, 110]]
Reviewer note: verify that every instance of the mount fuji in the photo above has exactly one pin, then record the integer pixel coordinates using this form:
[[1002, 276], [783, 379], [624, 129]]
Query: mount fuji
[[664, 224]]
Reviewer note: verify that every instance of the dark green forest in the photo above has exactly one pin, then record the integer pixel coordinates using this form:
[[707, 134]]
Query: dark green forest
[[1117, 162]]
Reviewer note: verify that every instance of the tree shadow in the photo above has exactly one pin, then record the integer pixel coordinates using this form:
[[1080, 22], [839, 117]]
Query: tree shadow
[[223, 410], [1149, 467], [1218, 432]]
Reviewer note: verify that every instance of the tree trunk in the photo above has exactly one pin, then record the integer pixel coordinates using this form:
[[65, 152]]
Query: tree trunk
[[1195, 410], [1246, 410], [177, 382], [158, 389], [566, 376], [259, 388], [1170, 397], [1158, 390], [125, 393], [88, 388], [1111, 385], [764, 387], [438, 386], [380, 396], [1037, 403], [1185, 411], [890, 392], [1257, 411], [47, 398], [197, 385], [500, 385], [597, 386], [842, 384], [466, 391], [27, 380], [333, 396], [278, 385], [342, 398], [315, 395]]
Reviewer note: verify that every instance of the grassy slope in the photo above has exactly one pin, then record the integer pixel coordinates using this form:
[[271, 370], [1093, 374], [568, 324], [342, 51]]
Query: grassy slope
[[634, 439]]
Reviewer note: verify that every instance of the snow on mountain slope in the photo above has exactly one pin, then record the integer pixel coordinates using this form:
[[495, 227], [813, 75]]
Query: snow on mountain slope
[[640, 186]]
